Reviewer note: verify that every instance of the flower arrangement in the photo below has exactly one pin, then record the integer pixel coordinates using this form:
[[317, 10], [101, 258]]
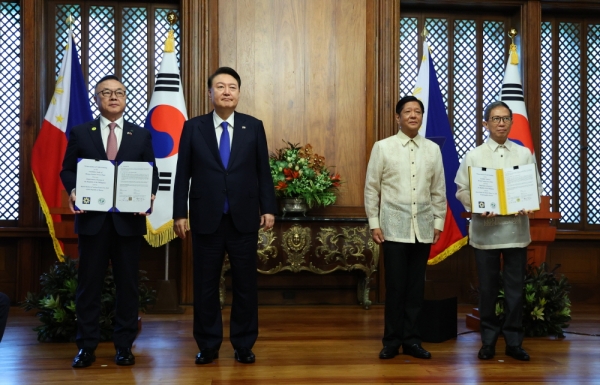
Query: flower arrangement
[[299, 173]]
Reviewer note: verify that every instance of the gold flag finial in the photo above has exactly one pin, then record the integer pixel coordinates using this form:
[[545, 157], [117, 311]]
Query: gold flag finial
[[172, 18], [170, 42], [425, 33], [70, 20], [512, 33], [514, 57]]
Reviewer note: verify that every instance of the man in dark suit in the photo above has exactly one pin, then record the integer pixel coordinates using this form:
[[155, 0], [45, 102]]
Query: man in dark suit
[[104, 237], [231, 195]]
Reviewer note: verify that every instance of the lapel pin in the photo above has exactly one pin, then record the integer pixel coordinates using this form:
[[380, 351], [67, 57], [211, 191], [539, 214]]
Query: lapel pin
[[243, 127], [129, 133], [93, 128]]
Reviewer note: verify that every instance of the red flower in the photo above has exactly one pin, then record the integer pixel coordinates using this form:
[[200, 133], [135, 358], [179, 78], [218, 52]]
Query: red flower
[[335, 179], [281, 185], [290, 174]]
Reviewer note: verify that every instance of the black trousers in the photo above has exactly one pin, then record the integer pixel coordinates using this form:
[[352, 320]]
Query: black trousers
[[209, 252], [4, 308], [488, 270], [405, 265], [95, 252]]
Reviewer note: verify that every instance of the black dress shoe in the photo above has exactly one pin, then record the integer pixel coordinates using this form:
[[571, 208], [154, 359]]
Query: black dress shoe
[[517, 352], [84, 358], [486, 352], [245, 356], [416, 351], [124, 357], [388, 352], [206, 356]]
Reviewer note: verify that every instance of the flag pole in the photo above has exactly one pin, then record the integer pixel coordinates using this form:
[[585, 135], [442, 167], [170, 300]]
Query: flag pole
[[167, 301], [172, 19]]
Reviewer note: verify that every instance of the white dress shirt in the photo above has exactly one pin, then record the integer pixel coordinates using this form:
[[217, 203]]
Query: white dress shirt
[[503, 231], [405, 189], [104, 130], [219, 129]]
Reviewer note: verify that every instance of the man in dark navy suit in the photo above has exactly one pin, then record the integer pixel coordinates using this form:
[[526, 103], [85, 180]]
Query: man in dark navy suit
[[231, 195], [104, 237]]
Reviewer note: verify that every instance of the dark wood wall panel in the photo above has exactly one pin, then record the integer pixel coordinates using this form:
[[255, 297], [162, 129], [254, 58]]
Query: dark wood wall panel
[[580, 262], [303, 70]]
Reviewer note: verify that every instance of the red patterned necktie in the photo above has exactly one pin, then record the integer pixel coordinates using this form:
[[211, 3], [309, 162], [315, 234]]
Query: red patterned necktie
[[111, 143]]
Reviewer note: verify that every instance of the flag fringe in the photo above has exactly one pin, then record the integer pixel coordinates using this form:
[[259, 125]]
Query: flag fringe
[[160, 236], [449, 251], [49, 220], [514, 56], [170, 42]]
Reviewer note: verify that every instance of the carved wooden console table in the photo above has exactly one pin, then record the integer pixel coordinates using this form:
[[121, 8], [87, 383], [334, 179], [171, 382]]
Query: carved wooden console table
[[320, 245]]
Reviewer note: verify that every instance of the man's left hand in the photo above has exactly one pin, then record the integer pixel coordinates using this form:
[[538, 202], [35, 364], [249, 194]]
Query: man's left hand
[[436, 236], [267, 221]]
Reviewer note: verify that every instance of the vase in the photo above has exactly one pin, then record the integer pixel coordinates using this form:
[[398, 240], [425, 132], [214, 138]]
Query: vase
[[293, 206]]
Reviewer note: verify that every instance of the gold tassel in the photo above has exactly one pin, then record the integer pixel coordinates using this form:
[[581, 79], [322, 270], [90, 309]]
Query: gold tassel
[[514, 57], [170, 42], [162, 235], [449, 251], [50, 222]]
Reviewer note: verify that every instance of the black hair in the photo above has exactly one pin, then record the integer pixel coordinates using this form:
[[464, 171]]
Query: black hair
[[407, 99], [108, 77], [491, 106], [225, 70]]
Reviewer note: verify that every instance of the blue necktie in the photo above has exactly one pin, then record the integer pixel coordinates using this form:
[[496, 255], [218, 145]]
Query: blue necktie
[[224, 151]]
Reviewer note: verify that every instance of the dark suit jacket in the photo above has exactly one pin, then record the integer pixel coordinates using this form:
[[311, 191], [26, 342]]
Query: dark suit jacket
[[246, 181], [136, 145]]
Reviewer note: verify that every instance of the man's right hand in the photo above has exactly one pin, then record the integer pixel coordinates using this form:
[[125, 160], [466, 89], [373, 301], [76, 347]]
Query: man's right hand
[[377, 235], [72, 203], [180, 226]]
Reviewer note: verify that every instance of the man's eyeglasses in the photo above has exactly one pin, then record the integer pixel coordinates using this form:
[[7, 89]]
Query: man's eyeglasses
[[108, 93], [497, 119]]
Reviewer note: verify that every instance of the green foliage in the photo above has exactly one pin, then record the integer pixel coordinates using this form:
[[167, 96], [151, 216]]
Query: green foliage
[[546, 304], [55, 303], [297, 172]]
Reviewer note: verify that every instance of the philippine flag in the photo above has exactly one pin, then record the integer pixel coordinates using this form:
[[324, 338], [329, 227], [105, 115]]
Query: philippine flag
[[436, 127], [166, 115], [69, 107], [512, 95]]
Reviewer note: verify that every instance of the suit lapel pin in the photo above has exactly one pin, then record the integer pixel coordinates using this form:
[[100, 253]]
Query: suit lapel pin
[[129, 133], [94, 128], [243, 127]]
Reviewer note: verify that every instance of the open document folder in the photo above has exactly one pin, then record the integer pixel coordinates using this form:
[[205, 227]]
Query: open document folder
[[504, 191], [105, 185]]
